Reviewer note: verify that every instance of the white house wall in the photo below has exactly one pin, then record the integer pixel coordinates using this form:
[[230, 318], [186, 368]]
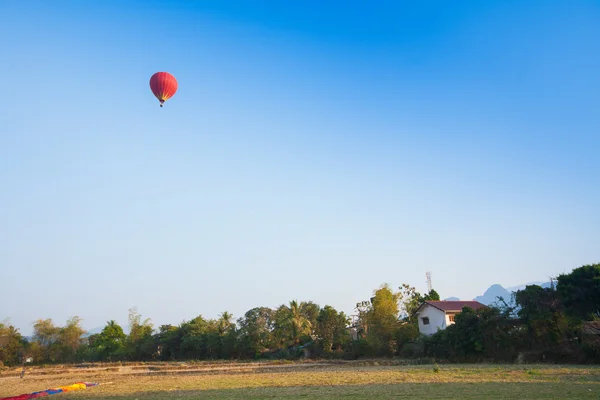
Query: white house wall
[[437, 319]]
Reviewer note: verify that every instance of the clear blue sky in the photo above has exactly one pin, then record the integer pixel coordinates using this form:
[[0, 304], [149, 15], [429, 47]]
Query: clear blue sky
[[312, 152]]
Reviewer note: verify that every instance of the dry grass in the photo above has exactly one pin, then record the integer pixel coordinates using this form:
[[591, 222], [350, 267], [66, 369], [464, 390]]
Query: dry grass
[[310, 380]]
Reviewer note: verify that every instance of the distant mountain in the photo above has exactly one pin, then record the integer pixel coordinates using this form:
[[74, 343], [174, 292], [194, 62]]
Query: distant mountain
[[493, 292], [452, 299], [491, 295]]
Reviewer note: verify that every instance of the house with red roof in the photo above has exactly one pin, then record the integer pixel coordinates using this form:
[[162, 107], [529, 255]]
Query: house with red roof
[[437, 315]]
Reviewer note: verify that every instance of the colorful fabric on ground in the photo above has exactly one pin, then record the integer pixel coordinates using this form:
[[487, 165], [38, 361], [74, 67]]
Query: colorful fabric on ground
[[60, 389]]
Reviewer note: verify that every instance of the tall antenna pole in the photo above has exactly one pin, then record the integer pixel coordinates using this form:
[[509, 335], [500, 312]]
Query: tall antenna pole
[[429, 286]]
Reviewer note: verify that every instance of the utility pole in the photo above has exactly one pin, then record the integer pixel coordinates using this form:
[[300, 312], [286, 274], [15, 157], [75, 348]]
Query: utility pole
[[429, 286]]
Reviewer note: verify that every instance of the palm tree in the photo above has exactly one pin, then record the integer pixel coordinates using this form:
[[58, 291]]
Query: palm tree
[[298, 323], [224, 323]]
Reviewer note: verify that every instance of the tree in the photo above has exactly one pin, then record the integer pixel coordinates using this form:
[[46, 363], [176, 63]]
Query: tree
[[193, 338], [431, 296], [110, 343], [363, 309], [256, 331], [212, 339], [292, 323], [225, 323], [228, 335], [542, 311], [12, 345], [169, 342], [69, 338], [405, 334], [580, 292], [383, 320], [310, 311], [410, 300], [140, 344], [331, 328], [46, 334], [298, 322]]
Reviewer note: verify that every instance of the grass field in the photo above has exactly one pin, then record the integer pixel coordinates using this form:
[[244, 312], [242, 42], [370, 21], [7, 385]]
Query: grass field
[[354, 380]]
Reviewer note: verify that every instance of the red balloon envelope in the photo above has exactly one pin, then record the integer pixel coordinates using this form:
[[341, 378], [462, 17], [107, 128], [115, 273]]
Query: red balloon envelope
[[163, 85]]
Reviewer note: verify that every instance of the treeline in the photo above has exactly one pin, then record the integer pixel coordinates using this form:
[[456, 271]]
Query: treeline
[[560, 323], [555, 324]]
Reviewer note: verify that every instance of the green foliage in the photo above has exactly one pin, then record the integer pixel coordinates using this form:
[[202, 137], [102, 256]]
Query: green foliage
[[298, 323], [194, 338], [476, 335], [406, 333], [46, 335], [331, 329], [53, 343], [108, 344], [140, 344], [411, 300], [541, 324], [383, 320], [228, 336], [69, 339], [580, 292], [311, 312], [591, 350], [12, 345], [358, 349], [542, 312], [364, 311], [293, 324], [168, 342], [256, 332], [432, 295]]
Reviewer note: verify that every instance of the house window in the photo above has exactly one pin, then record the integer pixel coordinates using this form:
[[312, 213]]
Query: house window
[[425, 320], [451, 317]]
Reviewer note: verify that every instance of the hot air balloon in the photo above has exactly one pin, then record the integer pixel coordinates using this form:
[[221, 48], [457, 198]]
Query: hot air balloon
[[163, 85]]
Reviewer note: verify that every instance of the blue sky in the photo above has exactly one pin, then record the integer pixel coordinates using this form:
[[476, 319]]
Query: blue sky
[[312, 152]]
